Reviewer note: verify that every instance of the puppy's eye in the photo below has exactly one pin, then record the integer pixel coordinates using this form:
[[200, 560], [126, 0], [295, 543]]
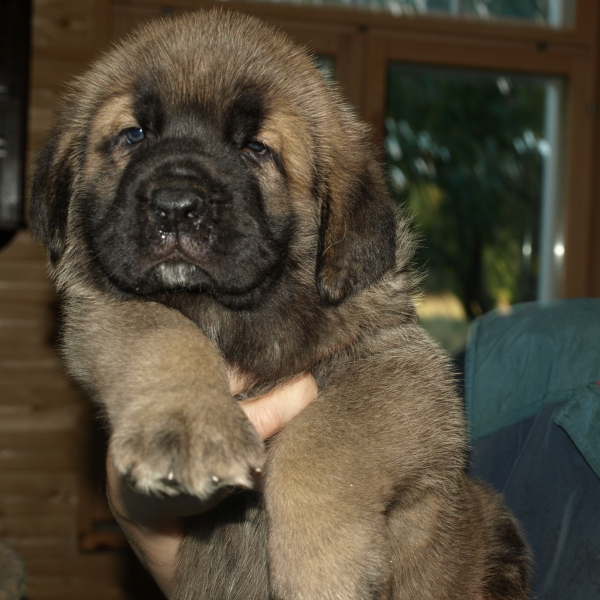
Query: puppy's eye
[[257, 147], [133, 135]]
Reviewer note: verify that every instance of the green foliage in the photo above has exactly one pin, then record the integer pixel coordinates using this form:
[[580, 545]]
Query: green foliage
[[466, 155]]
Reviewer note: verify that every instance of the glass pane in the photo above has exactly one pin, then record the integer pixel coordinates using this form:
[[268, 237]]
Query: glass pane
[[552, 13], [544, 12], [475, 157], [326, 64]]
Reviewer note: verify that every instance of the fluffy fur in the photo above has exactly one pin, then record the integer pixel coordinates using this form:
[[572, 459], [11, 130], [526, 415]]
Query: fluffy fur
[[210, 203]]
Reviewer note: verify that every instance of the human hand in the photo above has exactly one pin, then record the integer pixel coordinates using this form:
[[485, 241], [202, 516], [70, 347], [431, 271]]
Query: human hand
[[154, 526]]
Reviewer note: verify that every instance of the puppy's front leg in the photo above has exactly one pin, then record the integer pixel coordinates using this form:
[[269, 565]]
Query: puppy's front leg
[[386, 435], [326, 510], [174, 425]]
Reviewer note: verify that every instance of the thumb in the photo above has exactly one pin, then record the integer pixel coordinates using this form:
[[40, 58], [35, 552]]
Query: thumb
[[273, 411]]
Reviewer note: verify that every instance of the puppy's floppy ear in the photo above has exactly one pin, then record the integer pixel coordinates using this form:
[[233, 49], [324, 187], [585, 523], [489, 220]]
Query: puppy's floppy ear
[[50, 197], [357, 241]]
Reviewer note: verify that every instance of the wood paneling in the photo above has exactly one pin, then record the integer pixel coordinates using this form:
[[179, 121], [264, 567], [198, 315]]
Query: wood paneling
[[49, 489], [46, 472]]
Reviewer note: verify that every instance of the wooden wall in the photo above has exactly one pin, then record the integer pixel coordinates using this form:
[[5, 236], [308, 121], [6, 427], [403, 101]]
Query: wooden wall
[[47, 496], [44, 484]]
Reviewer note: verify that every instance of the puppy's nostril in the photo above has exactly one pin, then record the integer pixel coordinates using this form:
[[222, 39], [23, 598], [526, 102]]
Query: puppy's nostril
[[178, 203]]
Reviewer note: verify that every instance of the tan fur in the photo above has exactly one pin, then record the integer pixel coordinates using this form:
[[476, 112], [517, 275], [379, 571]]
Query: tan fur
[[114, 115], [366, 496]]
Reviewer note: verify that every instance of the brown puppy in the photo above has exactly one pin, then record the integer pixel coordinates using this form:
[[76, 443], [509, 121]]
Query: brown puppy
[[210, 203]]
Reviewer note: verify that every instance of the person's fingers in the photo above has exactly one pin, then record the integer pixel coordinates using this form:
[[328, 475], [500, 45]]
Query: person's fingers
[[271, 412], [154, 534], [153, 525]]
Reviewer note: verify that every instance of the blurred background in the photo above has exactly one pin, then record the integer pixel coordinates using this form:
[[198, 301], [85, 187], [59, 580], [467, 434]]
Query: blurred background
[[486, 116]]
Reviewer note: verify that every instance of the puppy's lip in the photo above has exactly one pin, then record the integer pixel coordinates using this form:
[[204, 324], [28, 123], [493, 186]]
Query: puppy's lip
[[176, 272], [172, 246]]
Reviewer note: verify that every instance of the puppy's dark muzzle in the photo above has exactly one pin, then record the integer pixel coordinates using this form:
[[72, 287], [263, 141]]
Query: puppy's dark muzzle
[[192, 219]]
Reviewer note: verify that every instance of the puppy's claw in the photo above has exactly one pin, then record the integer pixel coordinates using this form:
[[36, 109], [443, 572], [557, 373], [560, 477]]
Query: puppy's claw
[[170, 480]]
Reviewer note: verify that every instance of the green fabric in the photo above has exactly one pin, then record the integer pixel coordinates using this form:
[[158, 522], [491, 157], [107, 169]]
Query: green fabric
[[580, 418], [536, 354]]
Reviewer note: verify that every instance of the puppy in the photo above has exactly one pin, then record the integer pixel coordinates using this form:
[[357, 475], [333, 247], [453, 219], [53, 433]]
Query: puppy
[[210, 203]]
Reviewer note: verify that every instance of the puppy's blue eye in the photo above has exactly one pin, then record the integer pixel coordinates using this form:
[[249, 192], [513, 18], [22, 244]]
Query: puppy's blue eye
[[257, 147], [134, 135]]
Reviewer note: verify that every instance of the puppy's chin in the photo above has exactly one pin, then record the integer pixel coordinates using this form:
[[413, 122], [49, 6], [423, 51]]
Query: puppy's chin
[[170, 278], [174, 275]]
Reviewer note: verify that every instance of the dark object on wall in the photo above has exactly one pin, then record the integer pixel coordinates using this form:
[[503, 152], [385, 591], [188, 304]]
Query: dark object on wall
[[15, 19]]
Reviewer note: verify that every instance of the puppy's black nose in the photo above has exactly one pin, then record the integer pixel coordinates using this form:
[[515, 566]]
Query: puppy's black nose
[[178, 203]]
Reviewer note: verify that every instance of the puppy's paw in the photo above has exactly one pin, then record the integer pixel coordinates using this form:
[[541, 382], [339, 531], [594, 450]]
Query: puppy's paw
[[169, 449]]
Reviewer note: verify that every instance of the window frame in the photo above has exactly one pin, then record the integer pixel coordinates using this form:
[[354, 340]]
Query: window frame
[[564, 55]]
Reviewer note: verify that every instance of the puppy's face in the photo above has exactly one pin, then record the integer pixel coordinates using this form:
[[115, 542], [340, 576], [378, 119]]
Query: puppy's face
[[207, 154], [186, 179], [184, 194]]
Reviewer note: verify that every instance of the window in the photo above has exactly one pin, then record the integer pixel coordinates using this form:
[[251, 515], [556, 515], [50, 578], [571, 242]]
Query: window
[[537, 90], [552, 13], [476, 157]]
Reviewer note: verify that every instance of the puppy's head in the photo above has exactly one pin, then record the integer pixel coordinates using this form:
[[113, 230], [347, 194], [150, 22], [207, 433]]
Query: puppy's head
[[205, 153]]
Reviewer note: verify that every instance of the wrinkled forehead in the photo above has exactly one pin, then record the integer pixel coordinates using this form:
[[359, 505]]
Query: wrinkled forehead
[[198, 81], [165, 103], [208, 66], [211, 88]]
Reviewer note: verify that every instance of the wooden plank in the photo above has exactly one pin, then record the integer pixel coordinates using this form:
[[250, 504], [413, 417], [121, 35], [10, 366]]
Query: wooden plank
[[86, 567], [31, 420], [39, 525], [41, 547], [35, 393], [39, 292], [90, 576], [23, 246], [31, 333], [22, 355], [35, 370], [49, 74], [25, 316], [41, 441], [24, 270], [578, 36], [61, 502], [126, 18], [38, 377], [14, 459], [65, 24], [39, 484]]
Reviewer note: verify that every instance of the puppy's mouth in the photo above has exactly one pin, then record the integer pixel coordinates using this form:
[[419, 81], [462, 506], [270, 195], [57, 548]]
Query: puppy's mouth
[[193, 242], [179, 228]]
